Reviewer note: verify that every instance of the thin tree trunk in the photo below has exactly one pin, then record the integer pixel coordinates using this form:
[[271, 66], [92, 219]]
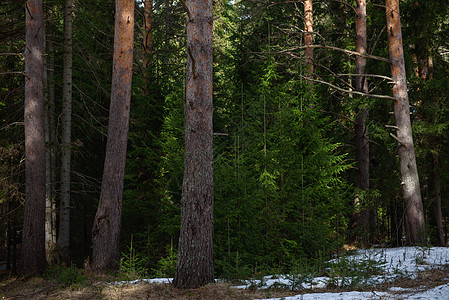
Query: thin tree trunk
[[33, 241], [106, 229], [50, 205], [363, 221], [167, 32], [308, 39], [424, 69], [148, 39], [414, 213], [64, 216], [195, 257], [441, 237]]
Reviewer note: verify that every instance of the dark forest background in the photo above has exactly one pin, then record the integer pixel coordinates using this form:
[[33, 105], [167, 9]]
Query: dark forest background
[[284, 162]]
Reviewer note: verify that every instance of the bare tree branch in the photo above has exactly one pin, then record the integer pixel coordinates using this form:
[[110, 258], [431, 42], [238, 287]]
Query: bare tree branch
[[337, 49], [352, 92]]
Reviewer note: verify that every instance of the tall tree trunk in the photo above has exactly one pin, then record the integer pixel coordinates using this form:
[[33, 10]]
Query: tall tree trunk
[[167, 32], [64, 216], [195, 257], [425, 71], [363, 219], [49, 117], [308, 39], [148, 39], [414, 213], [33, 243], [438, 214], [106, 228]]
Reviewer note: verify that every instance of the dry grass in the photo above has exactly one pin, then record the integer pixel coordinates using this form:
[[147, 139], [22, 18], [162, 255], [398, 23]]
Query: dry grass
[[95, 288], [39, 288]]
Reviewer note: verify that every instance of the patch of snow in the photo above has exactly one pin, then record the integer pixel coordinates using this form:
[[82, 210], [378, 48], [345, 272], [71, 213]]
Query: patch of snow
[[393, 262], [153, 280]]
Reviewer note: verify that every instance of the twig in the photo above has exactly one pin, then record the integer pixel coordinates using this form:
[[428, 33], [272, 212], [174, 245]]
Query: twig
[[397, 139], [338, 49], [14, 72], [392, 126], [368, 75], [11, 54]]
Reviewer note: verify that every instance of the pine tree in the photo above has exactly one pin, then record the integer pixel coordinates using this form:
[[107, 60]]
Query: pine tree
[[64, 216], [107, 223], [414, 213], [195, 266], [33, 240]]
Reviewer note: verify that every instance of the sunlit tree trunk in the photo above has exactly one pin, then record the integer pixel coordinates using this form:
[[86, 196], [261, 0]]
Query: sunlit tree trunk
[[308, 38], [363, 219], [64, 216], [106, 229], [414, 214], [33, 239], [195, 257]]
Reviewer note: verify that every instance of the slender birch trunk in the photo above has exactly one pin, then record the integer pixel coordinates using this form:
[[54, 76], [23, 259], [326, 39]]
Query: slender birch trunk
[[49, 117], [106, 229], [413, 208]]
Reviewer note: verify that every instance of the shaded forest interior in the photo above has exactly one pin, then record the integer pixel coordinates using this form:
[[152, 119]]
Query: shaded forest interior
[[306, 135]]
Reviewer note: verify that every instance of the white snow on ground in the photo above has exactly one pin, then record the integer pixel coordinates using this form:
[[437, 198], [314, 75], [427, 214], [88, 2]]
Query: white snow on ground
[[153, 280], [395, 262], [392, 263]]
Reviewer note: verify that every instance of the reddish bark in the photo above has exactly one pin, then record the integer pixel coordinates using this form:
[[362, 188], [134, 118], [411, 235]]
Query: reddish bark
[[147, 42], [195, 256], [106, 229], [33, 243], [308, 38], [414, 214], [364, 222]]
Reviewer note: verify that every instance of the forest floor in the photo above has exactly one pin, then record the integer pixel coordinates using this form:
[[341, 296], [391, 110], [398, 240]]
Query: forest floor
[[397, 273]]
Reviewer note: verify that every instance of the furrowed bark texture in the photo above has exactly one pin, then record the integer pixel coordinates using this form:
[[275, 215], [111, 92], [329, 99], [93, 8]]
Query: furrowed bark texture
[[106, 229], [64, 216], [195, 256], [308, 38], [364, 218], [33, 240], [414, 214]]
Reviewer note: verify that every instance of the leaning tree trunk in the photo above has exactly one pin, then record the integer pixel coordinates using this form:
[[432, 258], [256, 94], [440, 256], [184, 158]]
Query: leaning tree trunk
[[64, 216], [363, 218], [195, 257], [106, 229], [308, 39], [33, 241], [414, 213]]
